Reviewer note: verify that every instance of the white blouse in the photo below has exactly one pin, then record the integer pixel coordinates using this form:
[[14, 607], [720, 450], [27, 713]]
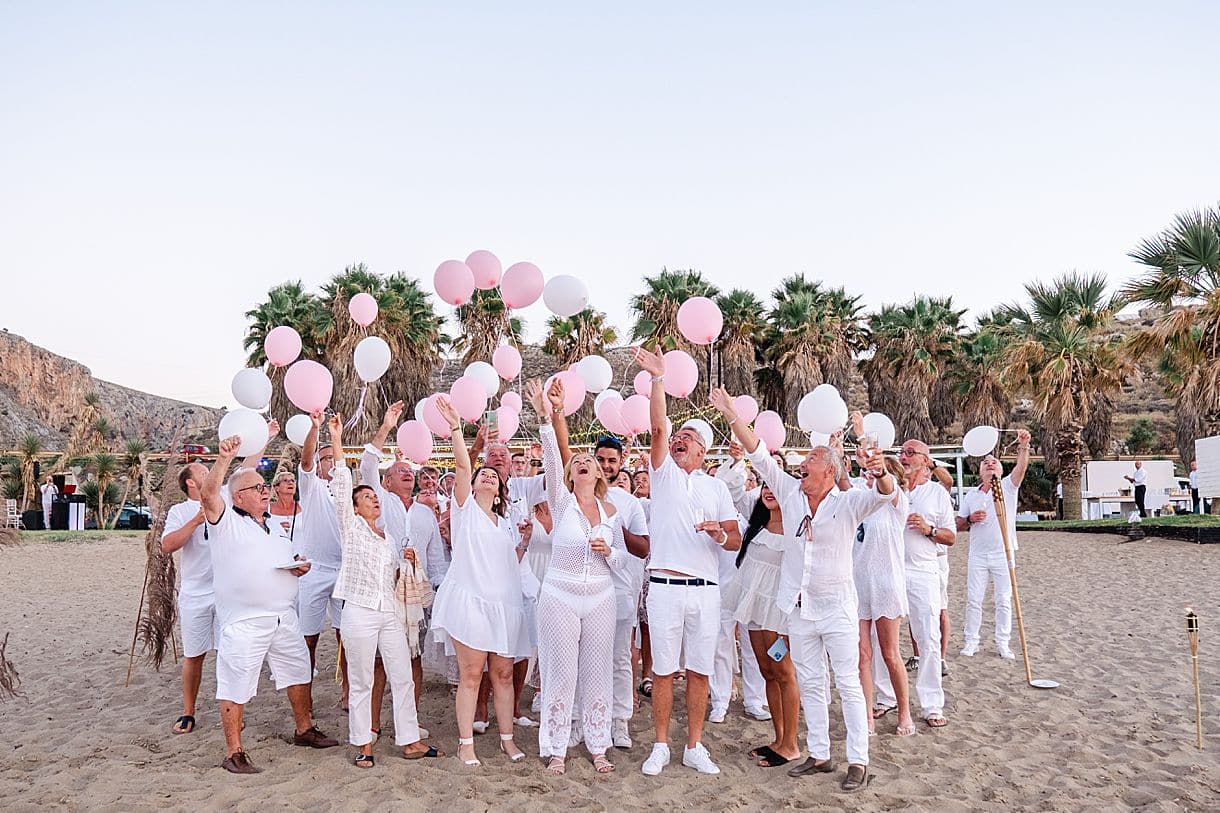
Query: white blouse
[[370, 561]]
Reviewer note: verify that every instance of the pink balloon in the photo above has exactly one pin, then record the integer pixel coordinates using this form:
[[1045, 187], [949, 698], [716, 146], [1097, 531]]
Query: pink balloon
[[643, 383], [469, 397], [769, 427], [681, 374], [363, 309], [746, 407], [610, 414], [507, 361], [511, 399], [700, 320], [415, 441], [485, 267], [508, 421], [308, 385], [521, 285], [574, 391], [454, 282], [283, 345], [433, 418], [635, 414]]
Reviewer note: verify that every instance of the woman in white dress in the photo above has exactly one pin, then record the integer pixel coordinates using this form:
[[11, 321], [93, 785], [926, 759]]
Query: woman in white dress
[[371, 624], [881, 586], [576, 607], [751, 596], [478, 612]]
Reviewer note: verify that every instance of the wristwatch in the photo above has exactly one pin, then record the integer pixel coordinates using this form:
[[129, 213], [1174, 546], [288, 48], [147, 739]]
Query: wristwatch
[[931, 534]]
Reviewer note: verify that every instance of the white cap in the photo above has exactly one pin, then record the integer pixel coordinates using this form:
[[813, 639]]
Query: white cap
[[701, 428]]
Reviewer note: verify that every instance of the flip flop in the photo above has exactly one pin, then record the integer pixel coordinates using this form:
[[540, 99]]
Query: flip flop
[[772, 760], [905, 731], [646, 687], [936, 721], [431, 753], [881, 711], [184, 724], [760, 752]]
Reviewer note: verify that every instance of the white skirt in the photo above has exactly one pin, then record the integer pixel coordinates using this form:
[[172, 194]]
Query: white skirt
[[464, 616], [751, 596]]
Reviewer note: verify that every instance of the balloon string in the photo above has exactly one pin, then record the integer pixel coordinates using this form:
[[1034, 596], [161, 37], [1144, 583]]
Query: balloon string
[[359, 413]]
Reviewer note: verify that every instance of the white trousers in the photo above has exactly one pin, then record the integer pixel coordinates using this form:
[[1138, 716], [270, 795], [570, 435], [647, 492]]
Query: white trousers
[[365, 633], [838, 636], [720, 686], [923, 596], [624, 679], [978, 573]]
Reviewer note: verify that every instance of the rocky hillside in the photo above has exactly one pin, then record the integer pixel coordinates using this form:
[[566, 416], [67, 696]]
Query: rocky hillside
[[41, 393]]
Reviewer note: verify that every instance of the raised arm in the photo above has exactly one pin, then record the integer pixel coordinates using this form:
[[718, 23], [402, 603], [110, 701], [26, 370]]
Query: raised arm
[[388, 423], [209, 495], [309, 449], [779, 481], [1018, 471], [461, 457], [723, 402], [654, 364], [252, 461], [557, 494], [340, 479]]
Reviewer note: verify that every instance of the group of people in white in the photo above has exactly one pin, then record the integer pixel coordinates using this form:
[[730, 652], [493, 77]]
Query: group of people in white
[[811, 572]]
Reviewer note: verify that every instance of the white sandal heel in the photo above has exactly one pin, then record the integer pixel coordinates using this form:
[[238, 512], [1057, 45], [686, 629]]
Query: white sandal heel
[[509, 738], [474, 763]]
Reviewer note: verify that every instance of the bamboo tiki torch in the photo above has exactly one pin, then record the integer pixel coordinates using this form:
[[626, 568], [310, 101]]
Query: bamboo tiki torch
[[1192, 634]]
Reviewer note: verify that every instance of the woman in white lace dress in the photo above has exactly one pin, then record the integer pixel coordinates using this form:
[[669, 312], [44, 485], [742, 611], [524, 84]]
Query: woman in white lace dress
[[880, 577], [371, 623], [576, 607], [478, 612]]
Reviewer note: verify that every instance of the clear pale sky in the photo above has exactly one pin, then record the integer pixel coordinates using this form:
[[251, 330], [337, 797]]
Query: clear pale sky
[[162, 164]]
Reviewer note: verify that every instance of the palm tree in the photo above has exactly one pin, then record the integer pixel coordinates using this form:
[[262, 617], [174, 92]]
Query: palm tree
[[287, 304], [105, 467], [413, 329], [30, 447], [656, 317], [1183, 282], [484, 321], [133, 466], [584, 334], [978, 390], [912, 347], [741, 340], [1062, 355]]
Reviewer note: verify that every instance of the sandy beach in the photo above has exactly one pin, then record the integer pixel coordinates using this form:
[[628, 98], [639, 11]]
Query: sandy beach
[[1105, 618]]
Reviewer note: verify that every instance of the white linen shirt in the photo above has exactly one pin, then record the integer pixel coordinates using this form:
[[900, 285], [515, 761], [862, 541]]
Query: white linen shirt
[[415, 527], [686, 500], [931, 502], [822, 577], [985, 539], [317, 527], [370, 562], [1140, 477]]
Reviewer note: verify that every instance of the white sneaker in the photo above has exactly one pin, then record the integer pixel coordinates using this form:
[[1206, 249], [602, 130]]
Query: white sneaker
[[657, 760], [717, 715], [525, 722], [970, 650], [1006, 654], [536, 703], [619, 735], [699, 759], [758, 714], [480, 727], [576, 737]]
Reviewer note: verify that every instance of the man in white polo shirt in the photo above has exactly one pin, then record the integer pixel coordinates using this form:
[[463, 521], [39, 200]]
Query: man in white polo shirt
[[817, 588], [255, 594], [986, 561], [693, 517], [317, 539], [929, 526]]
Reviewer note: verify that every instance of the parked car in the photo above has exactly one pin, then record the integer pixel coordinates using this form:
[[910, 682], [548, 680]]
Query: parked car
[[133, 517], [192, 451]]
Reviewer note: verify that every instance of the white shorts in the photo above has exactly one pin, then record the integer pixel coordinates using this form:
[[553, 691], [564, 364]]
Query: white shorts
[[683, 625], [315, 600], [197, 615], [943, 563], [245, 644]]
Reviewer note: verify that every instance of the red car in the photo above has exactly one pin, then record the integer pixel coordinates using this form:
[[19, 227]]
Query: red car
[[191, 451]]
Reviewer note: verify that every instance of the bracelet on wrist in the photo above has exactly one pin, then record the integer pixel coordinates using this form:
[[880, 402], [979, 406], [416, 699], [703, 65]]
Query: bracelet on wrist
[[657, 378], [453, 429]]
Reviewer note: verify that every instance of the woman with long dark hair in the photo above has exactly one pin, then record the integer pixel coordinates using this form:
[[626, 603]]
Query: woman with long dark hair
[[479, 613], [751, 596]]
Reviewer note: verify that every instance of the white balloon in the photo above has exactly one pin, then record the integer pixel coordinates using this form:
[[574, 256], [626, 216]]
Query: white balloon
[[818, 438], [804, 411], [596, 372], [879, 425], [825, 388], [486, 375], [824, 410], [249, 426], [606, 395], [565, 296], [980, 440], [372, 358], [252, 388], [297, 428], [419, 408]]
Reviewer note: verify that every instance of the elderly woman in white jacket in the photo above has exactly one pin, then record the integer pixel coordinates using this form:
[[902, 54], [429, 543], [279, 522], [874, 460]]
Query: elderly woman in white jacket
[[371, 623]]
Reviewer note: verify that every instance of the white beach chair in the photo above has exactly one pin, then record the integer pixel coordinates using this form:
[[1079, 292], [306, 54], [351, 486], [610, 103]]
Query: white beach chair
[[12, 517]]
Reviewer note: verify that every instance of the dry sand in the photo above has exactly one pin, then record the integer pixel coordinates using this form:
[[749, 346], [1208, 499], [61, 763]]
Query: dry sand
[[1104, 617]]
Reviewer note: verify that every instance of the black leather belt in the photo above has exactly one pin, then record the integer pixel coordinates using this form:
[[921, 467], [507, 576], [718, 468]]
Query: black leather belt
[[681, 582]]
